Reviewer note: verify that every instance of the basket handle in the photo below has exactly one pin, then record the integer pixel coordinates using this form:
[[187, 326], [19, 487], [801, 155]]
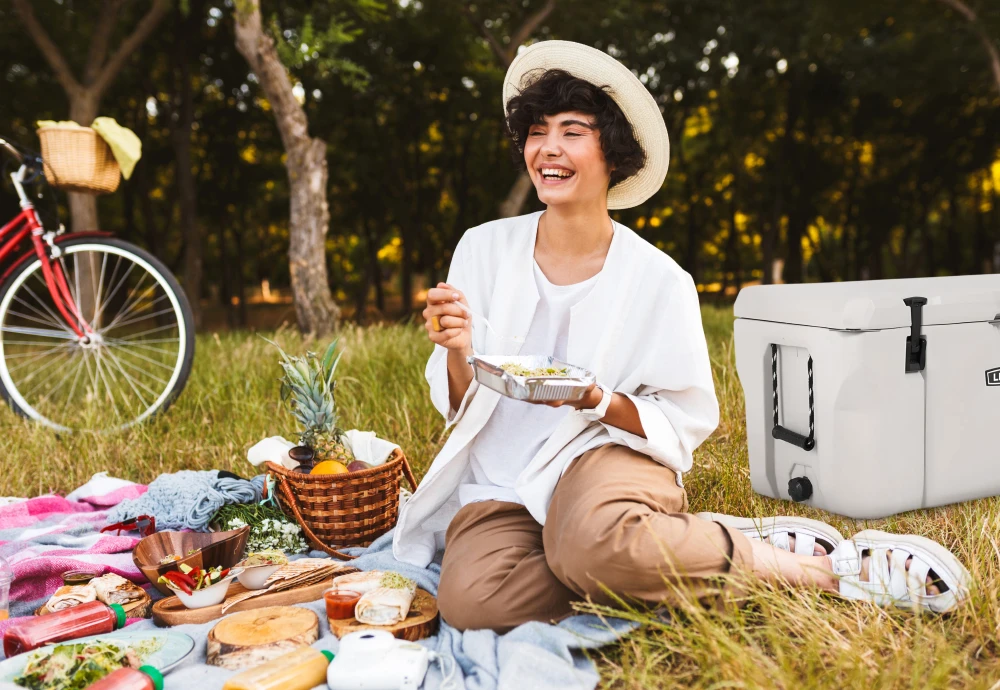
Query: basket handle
[[289, 499], [408, 473]]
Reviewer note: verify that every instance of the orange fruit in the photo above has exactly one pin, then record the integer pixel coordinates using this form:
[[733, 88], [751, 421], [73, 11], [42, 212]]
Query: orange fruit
[[329, 467]]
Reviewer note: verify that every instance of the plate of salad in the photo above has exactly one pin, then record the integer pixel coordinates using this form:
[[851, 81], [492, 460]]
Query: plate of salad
[[76, 664]]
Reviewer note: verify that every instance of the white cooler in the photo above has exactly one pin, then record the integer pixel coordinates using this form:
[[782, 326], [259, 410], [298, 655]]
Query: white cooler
[[874, 397]]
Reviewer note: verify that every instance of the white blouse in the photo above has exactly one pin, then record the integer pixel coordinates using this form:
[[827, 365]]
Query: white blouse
[[495, 462], [638, 329]]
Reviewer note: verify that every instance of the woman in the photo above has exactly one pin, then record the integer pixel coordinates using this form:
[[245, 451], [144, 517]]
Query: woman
[[537, 505]]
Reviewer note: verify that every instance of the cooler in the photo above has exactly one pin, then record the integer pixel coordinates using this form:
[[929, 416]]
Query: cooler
[[874, 397]]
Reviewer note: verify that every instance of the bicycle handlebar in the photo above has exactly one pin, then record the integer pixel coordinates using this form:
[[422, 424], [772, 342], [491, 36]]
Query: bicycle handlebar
[[13, 151]]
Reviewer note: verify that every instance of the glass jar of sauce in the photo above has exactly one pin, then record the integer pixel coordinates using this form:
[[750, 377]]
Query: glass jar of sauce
[[92, 618], [340, 604]]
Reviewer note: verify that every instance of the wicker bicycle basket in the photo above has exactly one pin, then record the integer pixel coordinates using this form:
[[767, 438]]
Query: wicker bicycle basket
[[338, 510], [77, 159]]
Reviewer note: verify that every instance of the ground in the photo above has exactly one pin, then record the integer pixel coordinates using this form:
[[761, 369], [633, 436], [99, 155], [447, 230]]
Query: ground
[[780, 639]]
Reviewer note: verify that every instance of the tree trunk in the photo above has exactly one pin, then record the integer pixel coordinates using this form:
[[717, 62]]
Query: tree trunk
[[181, 118], [309, 219], [518, 194], [83, 107]]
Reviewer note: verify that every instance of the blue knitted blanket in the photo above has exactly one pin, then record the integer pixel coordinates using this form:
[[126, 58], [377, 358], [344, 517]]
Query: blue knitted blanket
[[188, 499]]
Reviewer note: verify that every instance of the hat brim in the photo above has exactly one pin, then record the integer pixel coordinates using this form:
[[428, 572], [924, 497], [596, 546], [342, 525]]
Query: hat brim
[[634, 99]]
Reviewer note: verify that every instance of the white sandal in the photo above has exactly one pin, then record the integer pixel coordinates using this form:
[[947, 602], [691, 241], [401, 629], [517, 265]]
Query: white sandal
[[891, 583], [778, 530]]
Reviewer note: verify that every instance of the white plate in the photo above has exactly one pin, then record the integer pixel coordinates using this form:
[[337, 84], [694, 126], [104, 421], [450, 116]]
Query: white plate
[[174, 647]]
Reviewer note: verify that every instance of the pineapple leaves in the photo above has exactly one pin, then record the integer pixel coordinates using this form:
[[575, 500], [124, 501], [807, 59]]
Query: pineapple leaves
[[328, 357], [307, 388]]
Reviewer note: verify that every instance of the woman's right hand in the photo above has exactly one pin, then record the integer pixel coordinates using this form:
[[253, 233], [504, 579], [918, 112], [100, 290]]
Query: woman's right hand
[[447, 324]]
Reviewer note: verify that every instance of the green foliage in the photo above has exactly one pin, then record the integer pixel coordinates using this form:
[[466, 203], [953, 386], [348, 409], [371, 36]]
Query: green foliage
[[301, 44], [871, 152]]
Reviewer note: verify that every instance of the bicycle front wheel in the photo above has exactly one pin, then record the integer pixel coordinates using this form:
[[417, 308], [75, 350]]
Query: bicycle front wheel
[[133, 363]]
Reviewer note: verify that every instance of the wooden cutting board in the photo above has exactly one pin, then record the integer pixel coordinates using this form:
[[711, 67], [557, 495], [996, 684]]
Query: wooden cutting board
[[171, 611], [421, 622], [252, 638]]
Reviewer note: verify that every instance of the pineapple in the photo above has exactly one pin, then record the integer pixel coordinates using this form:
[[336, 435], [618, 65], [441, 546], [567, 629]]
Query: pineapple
[[309, 385]]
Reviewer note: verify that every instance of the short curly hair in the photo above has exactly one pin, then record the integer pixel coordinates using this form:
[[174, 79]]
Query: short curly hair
[[557, 91]]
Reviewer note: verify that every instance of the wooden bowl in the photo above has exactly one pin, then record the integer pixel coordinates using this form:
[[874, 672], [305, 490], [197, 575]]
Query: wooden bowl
[[224, 549]]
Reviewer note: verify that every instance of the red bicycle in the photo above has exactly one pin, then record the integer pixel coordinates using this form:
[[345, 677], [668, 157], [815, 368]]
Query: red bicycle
[[95, 333]]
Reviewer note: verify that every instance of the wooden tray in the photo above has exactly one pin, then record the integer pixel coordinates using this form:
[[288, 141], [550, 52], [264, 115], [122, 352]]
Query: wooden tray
[[140, 608], [421, 622], [171, 611]]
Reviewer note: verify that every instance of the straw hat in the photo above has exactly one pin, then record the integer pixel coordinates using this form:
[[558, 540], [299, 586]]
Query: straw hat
[[629, 93]]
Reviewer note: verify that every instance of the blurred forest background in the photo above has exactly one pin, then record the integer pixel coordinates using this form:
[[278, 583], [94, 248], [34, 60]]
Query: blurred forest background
[[812, 141]]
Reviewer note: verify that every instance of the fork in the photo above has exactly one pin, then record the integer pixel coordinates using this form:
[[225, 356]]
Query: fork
[[515, 339]]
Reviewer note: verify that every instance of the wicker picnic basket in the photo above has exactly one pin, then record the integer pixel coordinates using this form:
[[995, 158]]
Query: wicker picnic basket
[[77, 159], [338, 510]]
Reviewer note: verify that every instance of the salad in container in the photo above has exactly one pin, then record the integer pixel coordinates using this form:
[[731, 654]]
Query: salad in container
[[198, 587]]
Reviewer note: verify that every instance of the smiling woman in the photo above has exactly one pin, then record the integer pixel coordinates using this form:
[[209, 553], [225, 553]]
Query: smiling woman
[[521, 496], [560, 110]]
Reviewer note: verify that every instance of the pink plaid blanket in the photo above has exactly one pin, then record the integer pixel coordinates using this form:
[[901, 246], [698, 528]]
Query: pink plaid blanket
[[43, 537]]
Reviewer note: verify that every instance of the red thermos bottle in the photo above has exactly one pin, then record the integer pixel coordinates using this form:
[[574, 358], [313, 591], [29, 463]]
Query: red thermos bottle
[[146, 678], [92, 618]]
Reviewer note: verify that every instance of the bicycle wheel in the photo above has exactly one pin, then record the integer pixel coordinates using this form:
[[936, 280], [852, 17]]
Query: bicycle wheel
[[134, 364]]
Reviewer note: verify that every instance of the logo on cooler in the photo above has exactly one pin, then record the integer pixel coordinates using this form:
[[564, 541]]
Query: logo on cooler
[[993, 377]]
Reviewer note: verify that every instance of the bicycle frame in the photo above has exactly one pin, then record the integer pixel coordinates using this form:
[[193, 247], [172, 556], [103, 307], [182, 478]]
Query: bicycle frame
[[25, 224]]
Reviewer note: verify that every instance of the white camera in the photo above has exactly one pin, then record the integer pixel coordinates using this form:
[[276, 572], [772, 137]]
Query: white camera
[[375, 660]]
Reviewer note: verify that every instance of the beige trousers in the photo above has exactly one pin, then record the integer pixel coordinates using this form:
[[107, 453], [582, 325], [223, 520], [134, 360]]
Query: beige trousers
[[617, 519]]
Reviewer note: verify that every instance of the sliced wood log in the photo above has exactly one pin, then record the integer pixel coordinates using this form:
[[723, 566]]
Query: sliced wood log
[[251, 638], [421, 622]]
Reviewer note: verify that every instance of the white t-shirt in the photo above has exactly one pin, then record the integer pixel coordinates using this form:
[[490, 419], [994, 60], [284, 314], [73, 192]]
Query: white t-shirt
[[517, 430]]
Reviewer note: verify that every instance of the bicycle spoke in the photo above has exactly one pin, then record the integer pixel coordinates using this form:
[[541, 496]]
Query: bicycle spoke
[[37, 356], [18, 314], [100, 284], [168, 310], [128, 305], [171, 353], [61, 382], [117, 287], [151, 330], [44, 306], [53, 319], [147, 359], [76, 379], [42, 332], [132, 381], [42, 381]]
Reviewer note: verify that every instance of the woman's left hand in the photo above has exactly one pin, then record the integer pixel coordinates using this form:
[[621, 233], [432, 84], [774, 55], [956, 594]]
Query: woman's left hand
[[587, 402]]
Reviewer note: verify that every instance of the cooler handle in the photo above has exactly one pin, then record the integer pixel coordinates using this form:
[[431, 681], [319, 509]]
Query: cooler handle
[[779, 432]]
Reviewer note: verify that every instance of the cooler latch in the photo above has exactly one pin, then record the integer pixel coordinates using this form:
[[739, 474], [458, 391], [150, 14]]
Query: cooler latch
[[916, 344]]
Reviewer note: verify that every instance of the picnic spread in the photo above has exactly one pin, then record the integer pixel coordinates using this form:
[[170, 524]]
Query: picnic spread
[[284, 579]]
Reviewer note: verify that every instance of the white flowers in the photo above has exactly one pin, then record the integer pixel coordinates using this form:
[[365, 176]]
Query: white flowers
[[273, 534]]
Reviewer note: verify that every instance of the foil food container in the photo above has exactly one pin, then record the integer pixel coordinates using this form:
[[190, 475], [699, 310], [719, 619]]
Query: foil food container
[[568, 388]]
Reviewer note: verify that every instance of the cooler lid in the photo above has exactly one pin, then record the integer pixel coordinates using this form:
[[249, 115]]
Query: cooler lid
[[871, 305]]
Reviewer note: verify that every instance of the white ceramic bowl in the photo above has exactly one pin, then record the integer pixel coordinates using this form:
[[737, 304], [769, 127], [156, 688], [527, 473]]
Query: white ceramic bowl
[[254, 576], [210, 596]]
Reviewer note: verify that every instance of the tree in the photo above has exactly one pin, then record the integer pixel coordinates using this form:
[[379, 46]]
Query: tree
[[518, 194], [99, 72], [984, 38], [315, 308]]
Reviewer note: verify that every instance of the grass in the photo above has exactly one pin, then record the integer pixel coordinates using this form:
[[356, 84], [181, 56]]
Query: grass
[[781, 639]]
